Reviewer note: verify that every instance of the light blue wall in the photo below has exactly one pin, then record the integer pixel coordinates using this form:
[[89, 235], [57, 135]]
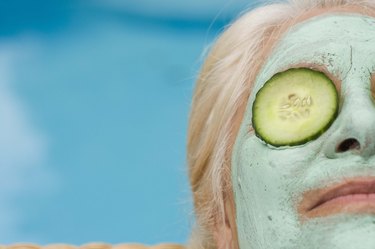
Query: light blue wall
[[94, 99]]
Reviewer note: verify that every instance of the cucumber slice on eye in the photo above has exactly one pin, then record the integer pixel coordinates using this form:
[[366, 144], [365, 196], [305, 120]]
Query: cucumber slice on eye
[[294, 107]]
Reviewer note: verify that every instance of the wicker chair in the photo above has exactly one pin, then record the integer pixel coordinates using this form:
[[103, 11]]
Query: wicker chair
[[94, 246]]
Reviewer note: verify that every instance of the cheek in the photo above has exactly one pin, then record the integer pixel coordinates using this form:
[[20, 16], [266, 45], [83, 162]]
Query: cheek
[[262, 180], [263, 190], [265, 176], [269, 181]]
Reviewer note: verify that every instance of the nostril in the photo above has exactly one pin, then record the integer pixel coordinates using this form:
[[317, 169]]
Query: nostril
[[348, 144]]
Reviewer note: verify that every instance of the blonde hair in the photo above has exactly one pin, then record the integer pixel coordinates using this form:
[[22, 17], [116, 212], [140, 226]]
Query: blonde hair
[[220, 97]]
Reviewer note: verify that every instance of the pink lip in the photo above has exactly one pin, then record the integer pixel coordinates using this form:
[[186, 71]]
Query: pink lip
[[355, 195]]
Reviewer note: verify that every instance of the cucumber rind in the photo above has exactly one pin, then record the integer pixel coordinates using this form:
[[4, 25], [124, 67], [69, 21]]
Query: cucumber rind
[[263, 124]]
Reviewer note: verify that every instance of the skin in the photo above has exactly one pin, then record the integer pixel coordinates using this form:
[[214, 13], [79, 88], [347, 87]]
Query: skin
[[275, 187]]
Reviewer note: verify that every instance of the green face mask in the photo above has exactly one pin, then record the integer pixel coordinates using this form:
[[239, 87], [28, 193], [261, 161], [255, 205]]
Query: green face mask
[[269, 182]]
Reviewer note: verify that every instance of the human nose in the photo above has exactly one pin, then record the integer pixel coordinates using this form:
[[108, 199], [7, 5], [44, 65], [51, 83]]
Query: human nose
[[354, 129]]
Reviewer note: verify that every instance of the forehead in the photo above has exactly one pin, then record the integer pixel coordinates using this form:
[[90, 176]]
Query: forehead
[[343, 28], [334, 41]]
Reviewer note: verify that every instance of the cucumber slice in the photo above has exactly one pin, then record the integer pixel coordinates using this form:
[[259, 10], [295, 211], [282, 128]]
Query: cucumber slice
[[294, 107]]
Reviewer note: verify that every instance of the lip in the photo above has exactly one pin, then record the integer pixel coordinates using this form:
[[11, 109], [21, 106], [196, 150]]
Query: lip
[[356, 195]]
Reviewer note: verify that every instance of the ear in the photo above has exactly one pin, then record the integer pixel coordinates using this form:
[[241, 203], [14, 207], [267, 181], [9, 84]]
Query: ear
[[226, 232]]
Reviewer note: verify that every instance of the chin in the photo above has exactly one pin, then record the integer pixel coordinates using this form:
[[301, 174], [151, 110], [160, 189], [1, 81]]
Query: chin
[[341, 231]]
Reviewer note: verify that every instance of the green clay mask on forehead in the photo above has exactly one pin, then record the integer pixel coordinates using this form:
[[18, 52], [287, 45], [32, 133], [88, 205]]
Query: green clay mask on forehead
[[269, 181]]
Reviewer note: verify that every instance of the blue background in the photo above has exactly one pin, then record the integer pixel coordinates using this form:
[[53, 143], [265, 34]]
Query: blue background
[[94, 100]]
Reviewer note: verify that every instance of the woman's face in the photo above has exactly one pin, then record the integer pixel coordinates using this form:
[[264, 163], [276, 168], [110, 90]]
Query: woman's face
[[318, 194]]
